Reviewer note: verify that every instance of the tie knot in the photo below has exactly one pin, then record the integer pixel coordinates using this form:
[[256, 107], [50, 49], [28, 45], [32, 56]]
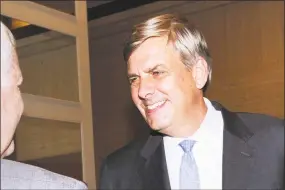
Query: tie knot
[[187, 145]]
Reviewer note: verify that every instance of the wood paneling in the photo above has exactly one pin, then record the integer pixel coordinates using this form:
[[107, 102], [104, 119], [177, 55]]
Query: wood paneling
[[38, 138], [43, 107], [51, 73], [46, 17], [247, 44]]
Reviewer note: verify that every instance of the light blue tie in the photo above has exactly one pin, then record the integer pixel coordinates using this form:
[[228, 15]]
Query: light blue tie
[[189, 177]]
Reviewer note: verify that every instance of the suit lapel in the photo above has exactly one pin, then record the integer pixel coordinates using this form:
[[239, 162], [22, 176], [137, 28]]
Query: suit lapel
[[237, 162], [238, 156], [152, 168]]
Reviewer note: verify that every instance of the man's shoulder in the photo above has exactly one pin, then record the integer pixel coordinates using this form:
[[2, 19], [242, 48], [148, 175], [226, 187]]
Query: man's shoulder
[[254, 121], [261, 120], [17, 175], [264, 125]]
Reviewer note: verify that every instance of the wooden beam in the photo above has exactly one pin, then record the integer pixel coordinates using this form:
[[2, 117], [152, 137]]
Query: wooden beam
[[40, 15], [83, 67], [50, 108]]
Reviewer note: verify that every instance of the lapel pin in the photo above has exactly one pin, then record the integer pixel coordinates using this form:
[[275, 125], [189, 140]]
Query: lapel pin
[[245, 154]]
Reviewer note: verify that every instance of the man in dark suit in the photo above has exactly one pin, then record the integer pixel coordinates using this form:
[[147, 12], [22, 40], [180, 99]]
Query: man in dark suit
[[195, 143]]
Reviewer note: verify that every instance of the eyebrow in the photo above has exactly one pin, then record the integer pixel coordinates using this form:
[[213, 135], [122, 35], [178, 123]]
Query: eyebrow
[[132, 75], [154, 68], [148, 70]]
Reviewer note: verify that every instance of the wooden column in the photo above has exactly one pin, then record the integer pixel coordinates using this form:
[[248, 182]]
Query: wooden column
[[83, 67]]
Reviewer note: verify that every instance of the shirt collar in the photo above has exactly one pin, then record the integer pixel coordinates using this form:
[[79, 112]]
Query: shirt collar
[[208, 130]]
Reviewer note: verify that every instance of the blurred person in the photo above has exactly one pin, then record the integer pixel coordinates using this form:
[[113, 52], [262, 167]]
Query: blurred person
[[16, 175]]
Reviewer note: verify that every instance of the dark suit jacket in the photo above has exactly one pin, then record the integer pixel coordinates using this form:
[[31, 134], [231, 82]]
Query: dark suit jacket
[[253, 157]]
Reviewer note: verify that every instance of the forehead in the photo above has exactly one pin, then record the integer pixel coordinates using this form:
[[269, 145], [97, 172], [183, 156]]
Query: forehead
[[10, 70], [151, 52]]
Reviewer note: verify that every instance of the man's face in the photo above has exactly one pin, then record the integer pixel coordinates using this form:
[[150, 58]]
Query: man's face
[[162, 87], [11, 100]]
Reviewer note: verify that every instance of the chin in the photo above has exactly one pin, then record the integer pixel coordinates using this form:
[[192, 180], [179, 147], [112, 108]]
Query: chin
[[9, 150], [159, 128]]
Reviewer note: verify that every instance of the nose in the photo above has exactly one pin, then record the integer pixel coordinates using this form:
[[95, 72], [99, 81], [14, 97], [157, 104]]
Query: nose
[[146, 88]]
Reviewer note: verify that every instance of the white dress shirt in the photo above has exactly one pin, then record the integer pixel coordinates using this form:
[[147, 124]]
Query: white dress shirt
[[208, 151]]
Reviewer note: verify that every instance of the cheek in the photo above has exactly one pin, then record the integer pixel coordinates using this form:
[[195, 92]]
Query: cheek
[[135, 97], [137, 101], [186, 82], [170, 87], [134, 94], [11, 106], [177, 88]]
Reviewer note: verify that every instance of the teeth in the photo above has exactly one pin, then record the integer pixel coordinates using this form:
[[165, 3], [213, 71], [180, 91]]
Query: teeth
[[153, 106]]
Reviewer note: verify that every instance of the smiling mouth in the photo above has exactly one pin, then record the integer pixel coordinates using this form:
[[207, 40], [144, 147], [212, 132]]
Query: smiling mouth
[[154, 107]]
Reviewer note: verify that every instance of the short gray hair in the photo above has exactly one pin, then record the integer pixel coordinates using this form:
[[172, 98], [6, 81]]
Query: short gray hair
[[186, 39]]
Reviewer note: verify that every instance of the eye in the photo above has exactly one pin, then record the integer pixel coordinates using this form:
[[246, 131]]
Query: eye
[[132, 80], [157, 73]]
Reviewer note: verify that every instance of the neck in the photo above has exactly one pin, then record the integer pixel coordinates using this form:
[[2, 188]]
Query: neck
[[191, 124]]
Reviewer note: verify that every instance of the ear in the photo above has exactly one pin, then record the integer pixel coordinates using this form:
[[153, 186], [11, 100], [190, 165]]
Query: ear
[[200, 72]]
